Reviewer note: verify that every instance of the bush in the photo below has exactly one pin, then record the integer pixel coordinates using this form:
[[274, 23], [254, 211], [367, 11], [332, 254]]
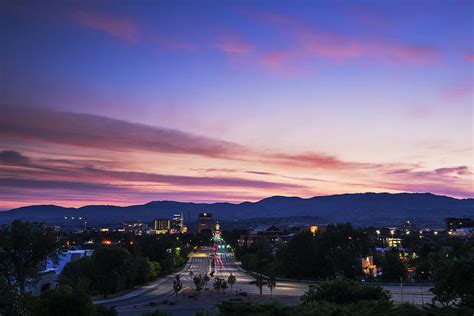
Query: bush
[[343, 292], [10, 301], [157, 313], [63, 301], [251, 308]]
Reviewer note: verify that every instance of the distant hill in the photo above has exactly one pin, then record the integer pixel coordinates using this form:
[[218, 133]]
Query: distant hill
[[361, 208]]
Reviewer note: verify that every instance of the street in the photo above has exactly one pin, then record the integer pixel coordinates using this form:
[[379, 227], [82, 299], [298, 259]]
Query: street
[[138, 301]]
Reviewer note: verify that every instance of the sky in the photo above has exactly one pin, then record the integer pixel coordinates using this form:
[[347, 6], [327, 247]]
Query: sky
[[125, 102]]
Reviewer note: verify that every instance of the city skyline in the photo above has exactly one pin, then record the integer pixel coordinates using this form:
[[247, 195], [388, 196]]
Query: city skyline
[[207, 101]]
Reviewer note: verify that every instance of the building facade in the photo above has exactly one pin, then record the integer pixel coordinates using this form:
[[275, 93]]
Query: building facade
[[205, 221], [162, 226]]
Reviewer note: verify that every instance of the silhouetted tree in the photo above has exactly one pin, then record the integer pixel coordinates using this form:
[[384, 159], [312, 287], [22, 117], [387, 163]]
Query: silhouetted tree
[[24, 249], [392, 266], [271, 285], [231, 280], [177, 285]]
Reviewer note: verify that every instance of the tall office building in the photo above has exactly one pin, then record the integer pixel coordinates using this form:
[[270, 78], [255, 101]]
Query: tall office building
[[177, 224], [205, 221], [162, 226]]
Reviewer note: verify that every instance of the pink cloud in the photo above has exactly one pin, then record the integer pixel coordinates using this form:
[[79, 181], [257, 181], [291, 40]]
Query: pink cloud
[[454, 181], [119, 27], [469, 57], [460, 90], [98, 132], [232, 42], [313, 42], [275, 59], [316, 160], [461, 170], [337, 47], [281, 62]]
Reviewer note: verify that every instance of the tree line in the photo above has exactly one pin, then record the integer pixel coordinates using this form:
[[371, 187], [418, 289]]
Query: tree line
[[25, 247], [337, 252]]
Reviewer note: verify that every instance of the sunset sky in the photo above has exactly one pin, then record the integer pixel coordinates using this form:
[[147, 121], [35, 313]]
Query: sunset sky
[[125, 102]]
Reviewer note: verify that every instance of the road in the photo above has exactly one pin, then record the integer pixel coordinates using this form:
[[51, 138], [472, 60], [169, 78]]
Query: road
[[199, 262]]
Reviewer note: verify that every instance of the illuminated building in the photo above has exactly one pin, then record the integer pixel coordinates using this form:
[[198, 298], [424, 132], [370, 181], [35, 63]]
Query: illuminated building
[[393, 242], [408, 226], [162, 226], [459, 226], [136, 227], [462, 232], [368, 266], [313, 229], [271, 234], [205, 221], [177, 223]]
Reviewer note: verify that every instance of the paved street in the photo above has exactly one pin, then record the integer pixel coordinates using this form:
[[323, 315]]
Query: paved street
[[161, 289]]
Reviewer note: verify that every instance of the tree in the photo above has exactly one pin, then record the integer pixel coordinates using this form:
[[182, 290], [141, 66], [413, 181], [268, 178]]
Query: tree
[[156, 248], [217, 285], [454, 282], [143, 270], [10, 300], [343, 292], [198, 281], [223, 285], [333, 253], [177, 285], [80, 272], [271, 285], [259, 282], [111, 267], [63, 300], [393, 267], [231, 280], [206, 279], [24, 249]]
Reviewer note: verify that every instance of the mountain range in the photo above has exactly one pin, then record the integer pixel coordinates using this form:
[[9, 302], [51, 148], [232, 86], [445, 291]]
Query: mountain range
[[360, 209]]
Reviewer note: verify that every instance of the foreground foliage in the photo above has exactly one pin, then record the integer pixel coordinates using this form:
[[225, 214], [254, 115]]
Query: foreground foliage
[[24, 247], [109, 270]]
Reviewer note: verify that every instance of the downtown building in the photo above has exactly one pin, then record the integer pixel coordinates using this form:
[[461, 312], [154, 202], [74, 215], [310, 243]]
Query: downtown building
[[205, 222]]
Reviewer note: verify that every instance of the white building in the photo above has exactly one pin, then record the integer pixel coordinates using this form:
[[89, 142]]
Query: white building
[[47, 279]]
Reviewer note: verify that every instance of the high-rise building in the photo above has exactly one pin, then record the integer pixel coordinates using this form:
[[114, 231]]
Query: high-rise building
[[177, 223], [205, 221], [162, 226]]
